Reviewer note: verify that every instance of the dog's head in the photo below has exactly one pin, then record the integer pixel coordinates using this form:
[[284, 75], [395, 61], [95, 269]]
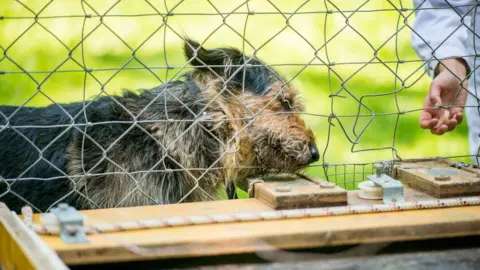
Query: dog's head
[[262, 110]]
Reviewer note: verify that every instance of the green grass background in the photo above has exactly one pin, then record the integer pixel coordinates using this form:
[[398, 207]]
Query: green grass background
[[30, 51]]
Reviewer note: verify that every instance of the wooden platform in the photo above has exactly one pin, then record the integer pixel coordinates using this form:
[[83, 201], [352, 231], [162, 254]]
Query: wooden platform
[[235, 238]]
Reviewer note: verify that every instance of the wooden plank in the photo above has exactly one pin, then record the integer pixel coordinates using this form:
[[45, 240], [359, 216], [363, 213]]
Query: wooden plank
[[299, 193], [235, 238], [20, 248], [421, 176]]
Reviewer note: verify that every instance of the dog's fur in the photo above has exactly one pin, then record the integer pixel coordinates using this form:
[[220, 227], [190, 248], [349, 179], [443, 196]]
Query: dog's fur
[[150, 147]]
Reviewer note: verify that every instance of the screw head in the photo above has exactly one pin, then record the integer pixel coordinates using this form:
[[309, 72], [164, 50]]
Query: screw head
[[443, 177], [327, 185], [283, 188]]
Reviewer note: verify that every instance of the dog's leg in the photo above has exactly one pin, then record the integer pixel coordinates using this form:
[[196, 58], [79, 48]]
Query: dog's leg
[[231, 191]]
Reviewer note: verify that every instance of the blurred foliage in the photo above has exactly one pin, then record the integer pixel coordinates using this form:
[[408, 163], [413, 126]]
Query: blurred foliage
[[288, 34]]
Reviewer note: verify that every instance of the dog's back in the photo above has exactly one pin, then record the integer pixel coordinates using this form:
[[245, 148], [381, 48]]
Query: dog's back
[[33, 146], [45, 152]]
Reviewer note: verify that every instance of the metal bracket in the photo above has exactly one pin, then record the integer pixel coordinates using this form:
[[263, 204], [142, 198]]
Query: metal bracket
[[392, 189], [69, 217]]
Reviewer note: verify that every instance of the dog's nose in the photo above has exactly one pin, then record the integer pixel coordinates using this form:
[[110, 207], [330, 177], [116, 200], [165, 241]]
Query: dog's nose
[[314, 155]]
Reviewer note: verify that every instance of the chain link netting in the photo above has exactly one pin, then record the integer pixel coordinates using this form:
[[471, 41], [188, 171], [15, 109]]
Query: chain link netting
[[353, 63]]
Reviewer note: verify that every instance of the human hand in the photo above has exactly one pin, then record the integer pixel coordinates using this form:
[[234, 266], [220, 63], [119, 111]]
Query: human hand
[[445, 90]]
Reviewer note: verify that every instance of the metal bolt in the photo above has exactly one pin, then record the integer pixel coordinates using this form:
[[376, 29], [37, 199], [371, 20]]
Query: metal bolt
[[327, 185], [283, 188], [442, 177], [378, 168]]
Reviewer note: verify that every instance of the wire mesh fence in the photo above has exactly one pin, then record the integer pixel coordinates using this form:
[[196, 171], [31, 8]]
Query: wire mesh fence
[[208, 114]]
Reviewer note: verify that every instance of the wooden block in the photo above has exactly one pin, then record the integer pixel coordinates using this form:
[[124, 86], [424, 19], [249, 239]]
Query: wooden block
[[290, 192], [21, 248], [427, 177]]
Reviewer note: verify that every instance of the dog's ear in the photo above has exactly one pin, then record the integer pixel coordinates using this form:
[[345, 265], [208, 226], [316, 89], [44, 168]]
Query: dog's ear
[[217, 59]]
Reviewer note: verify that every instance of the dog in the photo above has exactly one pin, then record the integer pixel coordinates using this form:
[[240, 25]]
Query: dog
[[229, 118]]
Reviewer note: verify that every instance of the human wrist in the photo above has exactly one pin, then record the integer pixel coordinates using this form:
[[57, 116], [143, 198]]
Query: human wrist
[[457, 66]]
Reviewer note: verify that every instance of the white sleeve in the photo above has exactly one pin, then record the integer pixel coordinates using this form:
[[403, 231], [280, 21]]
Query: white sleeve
[[438, 31]]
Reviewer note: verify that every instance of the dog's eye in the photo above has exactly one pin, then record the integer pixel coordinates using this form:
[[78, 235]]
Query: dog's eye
[[286, 105]]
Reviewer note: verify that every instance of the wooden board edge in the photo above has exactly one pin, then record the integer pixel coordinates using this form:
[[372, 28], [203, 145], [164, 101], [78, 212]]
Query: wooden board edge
[[369, 257], [21, 248], [265, 197]]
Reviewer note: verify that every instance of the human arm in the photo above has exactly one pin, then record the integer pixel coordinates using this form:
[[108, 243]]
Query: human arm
[[439, 37]]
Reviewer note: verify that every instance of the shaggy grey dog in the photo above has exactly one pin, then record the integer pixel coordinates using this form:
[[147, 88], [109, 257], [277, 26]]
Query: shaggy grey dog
[[229, 118]]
